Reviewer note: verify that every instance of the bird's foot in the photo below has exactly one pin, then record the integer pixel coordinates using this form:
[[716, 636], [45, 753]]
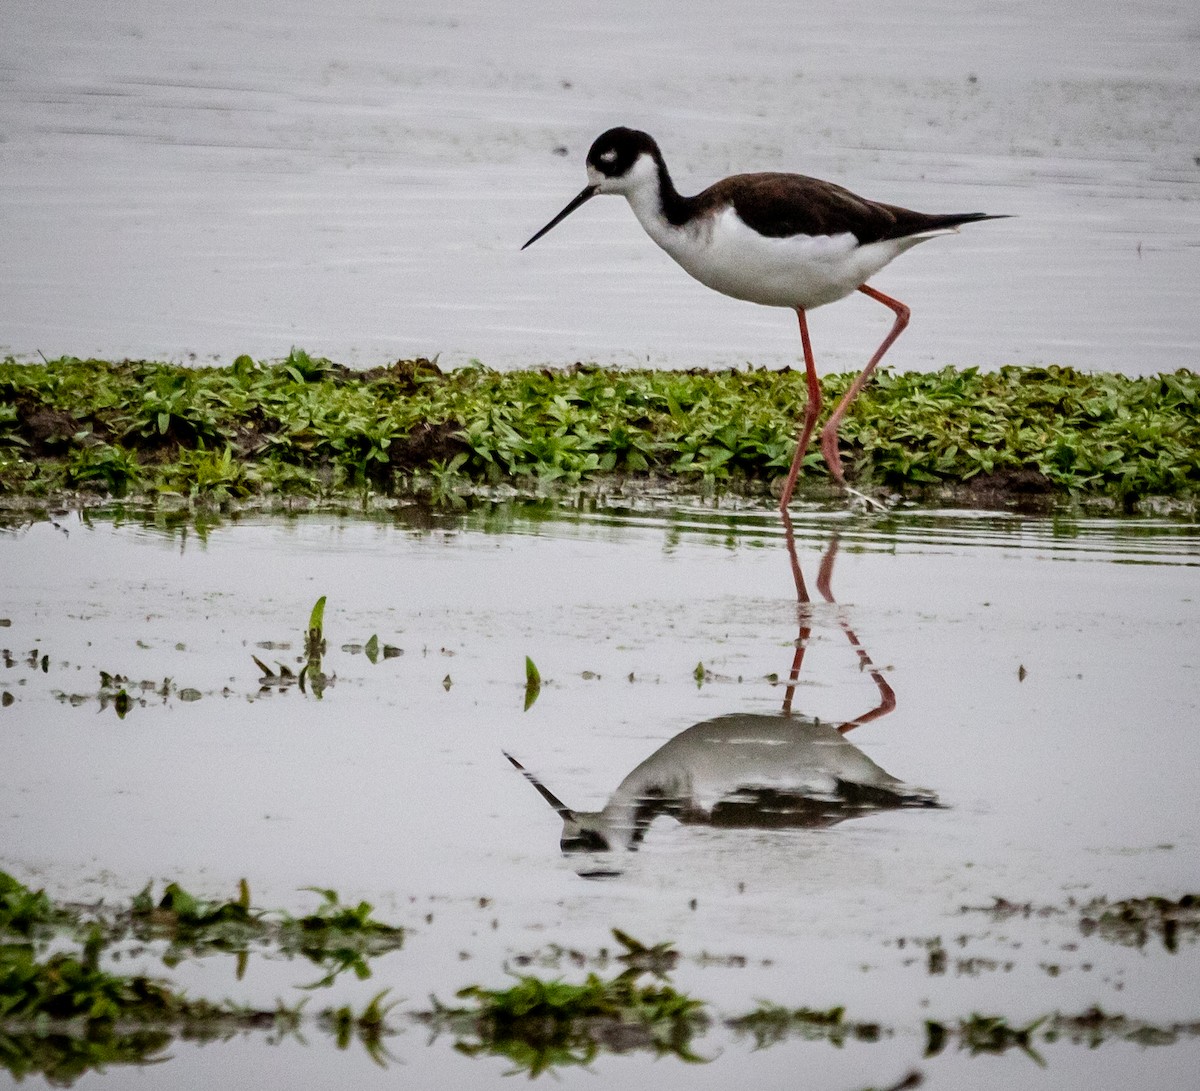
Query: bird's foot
[[863, 500]]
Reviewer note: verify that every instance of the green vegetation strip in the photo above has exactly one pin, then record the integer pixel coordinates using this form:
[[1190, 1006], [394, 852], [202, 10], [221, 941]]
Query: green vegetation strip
[[335, 937], [306, 427], [64, 1010], [63, 1013]]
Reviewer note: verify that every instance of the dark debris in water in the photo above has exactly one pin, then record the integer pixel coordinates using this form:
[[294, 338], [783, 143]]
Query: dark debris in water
[[1131, 922], [122, 694], [1134, 922]]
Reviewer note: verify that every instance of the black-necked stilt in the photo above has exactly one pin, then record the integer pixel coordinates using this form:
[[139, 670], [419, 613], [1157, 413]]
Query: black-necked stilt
[[783, 240]]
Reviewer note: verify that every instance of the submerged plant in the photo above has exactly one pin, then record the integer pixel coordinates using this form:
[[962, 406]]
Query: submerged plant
[[772, 1023], [64, 1009], [984, 1034], [1132, 921], [194, 926], [368, 1026], [62, 1058], [338, 937], [64, 1014], [658, 959], [541, 1025]]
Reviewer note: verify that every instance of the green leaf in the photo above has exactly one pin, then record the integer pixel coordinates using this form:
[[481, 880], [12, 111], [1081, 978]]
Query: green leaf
[[316, 620], [533, 683]]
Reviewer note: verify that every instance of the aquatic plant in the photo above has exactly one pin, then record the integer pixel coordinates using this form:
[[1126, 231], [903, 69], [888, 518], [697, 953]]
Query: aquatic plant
[[542, 1025], [64, 1014], [66, 986], [533, 683], [659, 958], [770, 1023], [311, 675], [193, 926], [1095, 1027], [25, 912], [62, 1058], [1132, 921], [983, 1034], [368, 1026], [314, 639], [64, 1010], [337, 937], [314, 649], [309, 427]]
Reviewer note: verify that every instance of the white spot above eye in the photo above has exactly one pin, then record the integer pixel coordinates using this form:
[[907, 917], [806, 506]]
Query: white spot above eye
[[609, 156]]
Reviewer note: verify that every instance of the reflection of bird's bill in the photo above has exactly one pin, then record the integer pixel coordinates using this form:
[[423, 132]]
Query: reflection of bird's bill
[[586, 195], [564, 812]]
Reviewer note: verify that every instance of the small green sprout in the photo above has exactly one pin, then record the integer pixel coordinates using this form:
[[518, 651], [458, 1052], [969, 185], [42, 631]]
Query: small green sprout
[[533, 683]]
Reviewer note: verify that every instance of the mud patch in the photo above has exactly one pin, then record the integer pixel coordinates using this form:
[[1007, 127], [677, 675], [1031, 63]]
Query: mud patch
[[427, 443]]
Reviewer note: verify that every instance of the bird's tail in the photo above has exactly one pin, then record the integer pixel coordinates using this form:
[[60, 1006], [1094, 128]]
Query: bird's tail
[[951, 220]]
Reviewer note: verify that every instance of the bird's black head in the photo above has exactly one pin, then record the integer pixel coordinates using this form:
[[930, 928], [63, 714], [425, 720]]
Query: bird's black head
[[613, 153], [610, 167]]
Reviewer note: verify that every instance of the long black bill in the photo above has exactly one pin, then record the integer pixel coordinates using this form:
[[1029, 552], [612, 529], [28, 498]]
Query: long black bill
[[564, 811], [588, 193]]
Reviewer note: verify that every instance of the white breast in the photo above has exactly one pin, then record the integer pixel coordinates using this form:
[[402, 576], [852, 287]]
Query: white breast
[[797, 271]]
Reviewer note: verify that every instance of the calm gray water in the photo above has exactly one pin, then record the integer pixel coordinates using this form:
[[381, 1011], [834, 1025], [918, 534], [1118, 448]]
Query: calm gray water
[[1072, 779], [206, 180]]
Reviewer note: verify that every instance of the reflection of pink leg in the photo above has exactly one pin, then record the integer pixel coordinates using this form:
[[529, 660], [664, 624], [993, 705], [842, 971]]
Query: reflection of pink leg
[[802, 603], [829, 434], [811, 410], [887, 696]]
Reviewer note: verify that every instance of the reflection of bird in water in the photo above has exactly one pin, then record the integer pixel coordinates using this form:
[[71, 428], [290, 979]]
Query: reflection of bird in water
[[782, 240], [749, 770]]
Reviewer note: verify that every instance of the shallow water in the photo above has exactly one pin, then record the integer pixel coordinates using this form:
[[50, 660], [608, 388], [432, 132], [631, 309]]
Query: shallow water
[[1072, 779], [356, 179]]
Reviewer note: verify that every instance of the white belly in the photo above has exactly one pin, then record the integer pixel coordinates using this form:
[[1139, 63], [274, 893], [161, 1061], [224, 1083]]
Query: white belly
[[798, 271]]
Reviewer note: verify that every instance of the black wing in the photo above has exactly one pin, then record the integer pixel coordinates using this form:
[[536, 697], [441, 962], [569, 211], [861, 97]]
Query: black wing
[[782, 205]]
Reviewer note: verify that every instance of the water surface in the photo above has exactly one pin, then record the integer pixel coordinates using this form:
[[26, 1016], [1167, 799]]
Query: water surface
[[1045, 686], [180, 181]]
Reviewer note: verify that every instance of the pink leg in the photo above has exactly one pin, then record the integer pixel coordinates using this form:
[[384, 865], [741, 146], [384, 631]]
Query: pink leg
[[811, 410], [829, 434]]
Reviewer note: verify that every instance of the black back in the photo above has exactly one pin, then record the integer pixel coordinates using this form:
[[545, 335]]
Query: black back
[[777, 205]]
